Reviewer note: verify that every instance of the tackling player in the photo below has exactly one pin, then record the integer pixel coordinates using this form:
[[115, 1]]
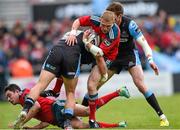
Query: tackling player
[[64, 61], [128, 57], [50, 111]]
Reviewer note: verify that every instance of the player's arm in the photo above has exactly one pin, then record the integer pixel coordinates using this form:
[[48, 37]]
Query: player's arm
[[32, 112], [141, 40], [41, 125], [82, 21], [98, 54]]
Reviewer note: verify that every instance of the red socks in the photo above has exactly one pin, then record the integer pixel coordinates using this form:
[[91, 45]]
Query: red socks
[[58, 85], [107, 125], [105, 99]]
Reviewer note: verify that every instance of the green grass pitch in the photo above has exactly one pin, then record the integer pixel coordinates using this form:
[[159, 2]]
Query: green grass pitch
[[136, 111]]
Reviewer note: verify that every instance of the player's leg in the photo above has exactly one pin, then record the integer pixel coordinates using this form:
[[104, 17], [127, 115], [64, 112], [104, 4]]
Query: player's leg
[[123, 91], [86, 96], [112, 125], [81, 110], [70, 85], [138, 78], [56, 90], [93, 81], [58, 85], [77, 123], [103, 100]]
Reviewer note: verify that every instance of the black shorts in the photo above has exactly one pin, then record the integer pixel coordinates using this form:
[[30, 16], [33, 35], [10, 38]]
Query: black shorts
[[63, 60], [125, 62]]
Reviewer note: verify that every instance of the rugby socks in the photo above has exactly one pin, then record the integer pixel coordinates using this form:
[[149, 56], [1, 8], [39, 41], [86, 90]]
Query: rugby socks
[[68, 114], [102, 100], [92, 106], [107, 125], [151, 99], [85, 100], [28, 103], [58, 85], [105, 99]]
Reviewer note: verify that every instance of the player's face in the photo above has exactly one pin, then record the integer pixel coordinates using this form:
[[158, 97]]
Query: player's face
[[12, 97], [118, 19], [105, 27]]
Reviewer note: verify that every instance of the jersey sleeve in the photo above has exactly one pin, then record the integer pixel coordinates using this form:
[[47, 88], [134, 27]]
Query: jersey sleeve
[[85, 20], [134, 30], [23, 96]]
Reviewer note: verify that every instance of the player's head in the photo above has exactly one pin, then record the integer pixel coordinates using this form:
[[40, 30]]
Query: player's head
[[118, 9], [106, 21], [12, 92]]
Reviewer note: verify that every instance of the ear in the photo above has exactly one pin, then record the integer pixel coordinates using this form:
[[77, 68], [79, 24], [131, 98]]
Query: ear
[[100, 19]]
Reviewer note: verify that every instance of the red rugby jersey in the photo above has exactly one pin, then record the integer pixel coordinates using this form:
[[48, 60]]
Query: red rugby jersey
[[110, 41], [45, 114]]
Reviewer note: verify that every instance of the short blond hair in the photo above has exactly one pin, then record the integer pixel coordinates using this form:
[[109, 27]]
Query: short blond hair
[[108, 17]]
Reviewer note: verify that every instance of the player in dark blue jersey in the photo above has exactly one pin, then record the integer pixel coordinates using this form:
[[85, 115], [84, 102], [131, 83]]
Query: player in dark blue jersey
[[128, 57], [64, 60]]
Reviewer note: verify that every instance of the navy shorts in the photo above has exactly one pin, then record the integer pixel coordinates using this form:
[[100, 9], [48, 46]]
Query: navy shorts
[[125, 62], [63, 60]]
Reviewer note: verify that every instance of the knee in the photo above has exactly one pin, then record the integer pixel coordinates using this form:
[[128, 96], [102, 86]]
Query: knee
[[91, 88], [140, 85]]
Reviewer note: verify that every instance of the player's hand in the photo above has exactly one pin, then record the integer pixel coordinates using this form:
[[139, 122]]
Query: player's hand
[[104, 77], [10, 125], [71, 40], [88, 37], [154, 67], [86, 33], [19, 121]]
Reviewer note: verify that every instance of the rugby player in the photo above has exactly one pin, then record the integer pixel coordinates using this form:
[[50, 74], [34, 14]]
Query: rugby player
[[128, 58], [109, 34], [50, 111], [64, 60]]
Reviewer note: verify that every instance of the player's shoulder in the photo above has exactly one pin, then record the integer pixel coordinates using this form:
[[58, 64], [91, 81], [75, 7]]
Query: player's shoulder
[[114, 32], [132, 25], [128, 21], [26, 91], [127, 18], [95, 19]]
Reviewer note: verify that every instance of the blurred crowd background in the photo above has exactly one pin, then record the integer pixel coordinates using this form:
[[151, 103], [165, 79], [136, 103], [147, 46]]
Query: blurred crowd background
[[26, 39]]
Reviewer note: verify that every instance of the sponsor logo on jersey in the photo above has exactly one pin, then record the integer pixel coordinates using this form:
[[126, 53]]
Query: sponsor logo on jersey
[[50, 67], [71, 73], [131, 63], [123, 40]]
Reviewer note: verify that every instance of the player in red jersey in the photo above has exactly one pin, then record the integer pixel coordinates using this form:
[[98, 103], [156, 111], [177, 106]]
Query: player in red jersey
[[50, 111], [109, 33]]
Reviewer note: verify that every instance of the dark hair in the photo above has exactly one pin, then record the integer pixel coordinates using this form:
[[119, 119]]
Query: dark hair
[[116, 7], [12, 87]]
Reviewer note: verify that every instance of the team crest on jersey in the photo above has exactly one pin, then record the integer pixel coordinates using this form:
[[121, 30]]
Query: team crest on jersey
[[108, 43]]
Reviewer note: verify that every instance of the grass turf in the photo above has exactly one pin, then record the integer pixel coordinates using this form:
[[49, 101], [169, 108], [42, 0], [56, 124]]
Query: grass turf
[[136, 111]]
